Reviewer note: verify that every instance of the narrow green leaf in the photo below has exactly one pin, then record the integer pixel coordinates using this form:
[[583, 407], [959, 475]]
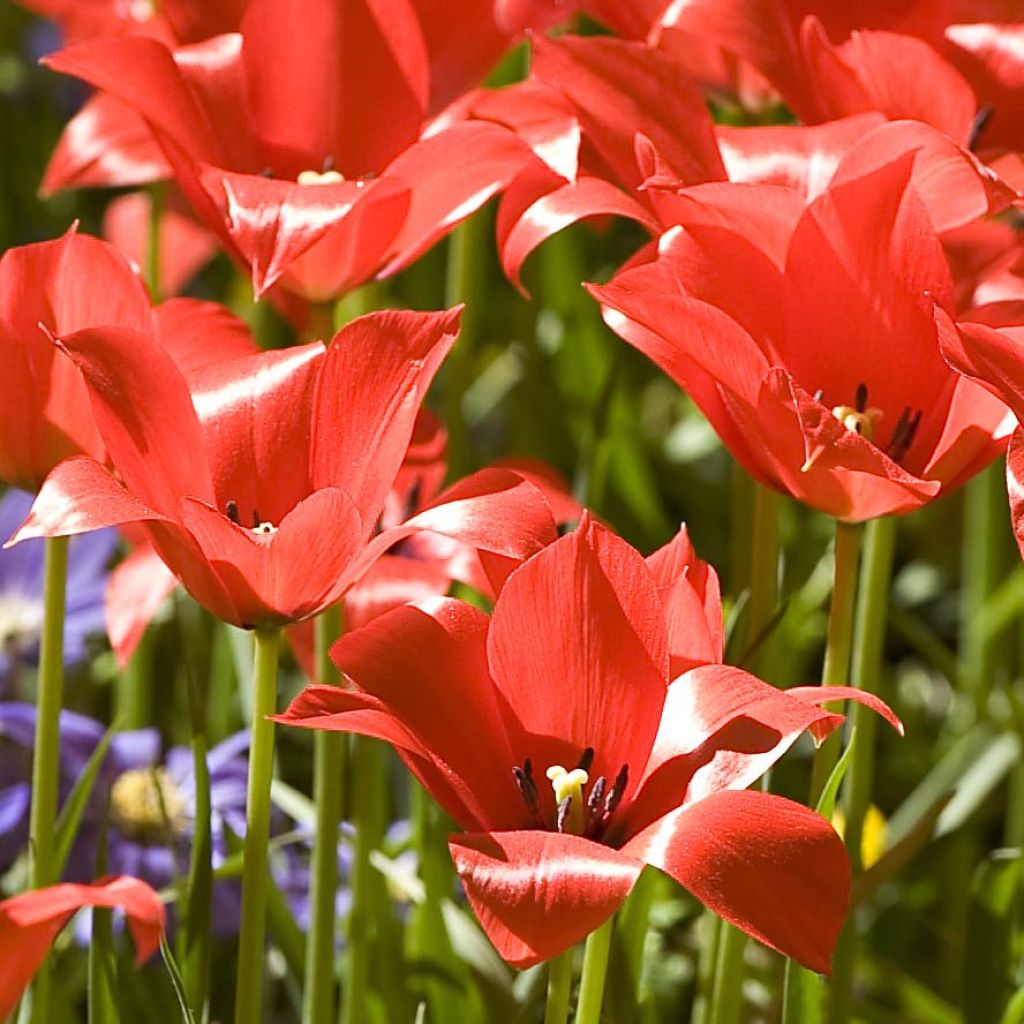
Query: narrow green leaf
[[827, 801], [177, 983], [988, 949], [70, 818]]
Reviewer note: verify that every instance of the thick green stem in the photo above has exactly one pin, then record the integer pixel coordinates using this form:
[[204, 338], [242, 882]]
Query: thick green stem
[[46, 751], [318, 1002], [865, 672], [595, 967], [133, 689], [839, 642], [249, 988], [984, 532], [467, 247], [556, 1011], [365, 769], [156, 211]]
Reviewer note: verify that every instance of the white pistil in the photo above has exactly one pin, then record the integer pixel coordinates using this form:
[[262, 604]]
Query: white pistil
[[266, 529], [569, 786]]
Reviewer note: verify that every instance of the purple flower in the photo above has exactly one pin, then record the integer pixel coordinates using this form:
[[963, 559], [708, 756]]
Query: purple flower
[[21, 589]]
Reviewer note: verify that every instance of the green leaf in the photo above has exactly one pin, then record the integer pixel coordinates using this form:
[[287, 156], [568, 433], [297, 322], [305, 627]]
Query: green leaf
[[176, 981], [70, 818], [988, 949], [827, 801]]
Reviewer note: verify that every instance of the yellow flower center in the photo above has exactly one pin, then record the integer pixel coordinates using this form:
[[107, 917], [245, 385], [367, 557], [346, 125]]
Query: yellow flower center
[[320, 178], [147, 806]]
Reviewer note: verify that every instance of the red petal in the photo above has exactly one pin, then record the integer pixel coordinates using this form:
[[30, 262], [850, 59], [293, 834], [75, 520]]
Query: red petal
[[29, 923], [578, 649], [1015, 485], [255, 416], [198, 334], [769, 866], [359, 104], [428, 667], [106, 143], [539, 893], [721, 728], [693, 604], [144, 412], [819, 696], [78, 496], [136, 589], [375, 376]]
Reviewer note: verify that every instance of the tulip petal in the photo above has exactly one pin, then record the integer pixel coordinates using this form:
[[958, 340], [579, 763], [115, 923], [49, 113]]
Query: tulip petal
[[819, 696], [136, 589], [29, 923], [769, 866], [535, 893], [374, 378], [575, 627]]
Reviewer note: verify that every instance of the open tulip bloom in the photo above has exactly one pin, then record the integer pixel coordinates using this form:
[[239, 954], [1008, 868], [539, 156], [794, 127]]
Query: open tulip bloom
[[810, 338], [260, 481], [586, 729]]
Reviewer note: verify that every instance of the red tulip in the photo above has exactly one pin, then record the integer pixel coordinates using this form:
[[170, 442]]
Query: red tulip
[[29, 923], [642, 134], [260, 480], [663, 759], [318, 173], [809, 336]]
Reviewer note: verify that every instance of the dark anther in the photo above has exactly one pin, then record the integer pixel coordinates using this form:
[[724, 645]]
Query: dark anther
[[413, 501], [255, 519], [563, 813], [903, 434], [819, 394], [527, 787], [979, 124], [617, 790], [861, 401], [594, 809], [232, 510], [267, 172], [586, 759], [328, 164]]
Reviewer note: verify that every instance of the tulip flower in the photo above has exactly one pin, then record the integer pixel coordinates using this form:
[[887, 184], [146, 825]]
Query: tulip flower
[[29, 923], [611, 740], [623, 130], [321, 174], [260, 480], [809, 337]]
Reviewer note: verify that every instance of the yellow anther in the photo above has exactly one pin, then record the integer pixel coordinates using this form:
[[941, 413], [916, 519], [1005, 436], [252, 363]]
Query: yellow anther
[[320, 178], [569, 786], [146, 805], [862, 423]]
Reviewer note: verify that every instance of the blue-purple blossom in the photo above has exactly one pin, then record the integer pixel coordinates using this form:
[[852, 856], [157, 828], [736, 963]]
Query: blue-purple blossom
[[21, 589]]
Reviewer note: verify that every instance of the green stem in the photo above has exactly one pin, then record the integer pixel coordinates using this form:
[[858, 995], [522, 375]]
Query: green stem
[[865, 673], [727, 994], [133, 691], [328, 772], [985, 514], [249, 986], [556, 1011], [839, 642], [46, 751], [467, 246], [726, 1001], [366, 766], [595, 967], [156, 210], [321, 321]]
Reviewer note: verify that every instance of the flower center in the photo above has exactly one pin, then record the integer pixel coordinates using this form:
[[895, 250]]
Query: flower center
[[860, 418], [263, 527], [577, 812], [320, 178], [146, 805]]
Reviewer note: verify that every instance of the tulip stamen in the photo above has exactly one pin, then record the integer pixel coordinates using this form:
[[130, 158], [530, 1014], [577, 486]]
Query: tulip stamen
[[528, 789], [903, 436], [568, 787], [231, 508], [617, 791], [313, 178]]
